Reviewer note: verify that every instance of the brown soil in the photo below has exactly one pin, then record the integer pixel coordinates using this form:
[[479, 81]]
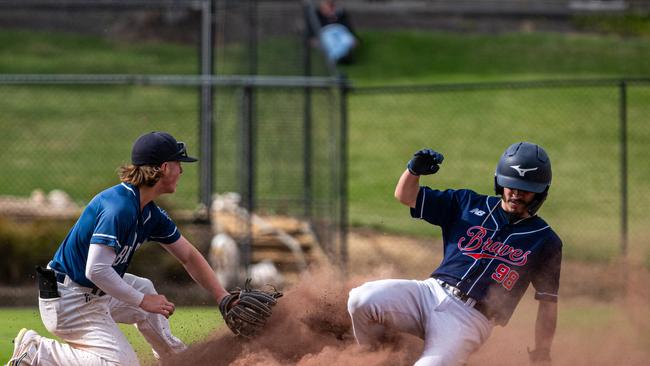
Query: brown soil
[[604, 316]]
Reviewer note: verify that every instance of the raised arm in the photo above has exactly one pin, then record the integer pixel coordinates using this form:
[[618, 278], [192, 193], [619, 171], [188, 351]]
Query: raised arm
[[424, 162], [407, 189]]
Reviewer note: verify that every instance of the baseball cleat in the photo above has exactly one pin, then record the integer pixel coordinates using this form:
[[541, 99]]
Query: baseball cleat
[[25, 347]]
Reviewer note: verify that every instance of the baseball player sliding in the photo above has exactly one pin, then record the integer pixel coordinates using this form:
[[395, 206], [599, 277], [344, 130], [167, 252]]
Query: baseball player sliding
[[85, 290], [494, 246]]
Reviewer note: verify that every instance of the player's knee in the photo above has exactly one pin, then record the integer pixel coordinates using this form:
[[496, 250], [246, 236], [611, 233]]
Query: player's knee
[[128, 357], [360, 299], [141, 284], [147, 287]]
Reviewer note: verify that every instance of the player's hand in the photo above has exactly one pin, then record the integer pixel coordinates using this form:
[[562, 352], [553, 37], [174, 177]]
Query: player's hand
[[539, 357], [158, 304], [425, 162]]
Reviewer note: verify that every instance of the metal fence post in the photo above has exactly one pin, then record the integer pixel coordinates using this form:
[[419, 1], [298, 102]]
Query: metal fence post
[[307, 121], [206, 173], [252, 37], [624, 188], [343, 250], [247, 171]]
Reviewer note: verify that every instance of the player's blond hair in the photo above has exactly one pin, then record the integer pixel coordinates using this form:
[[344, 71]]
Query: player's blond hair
[[140, 175]]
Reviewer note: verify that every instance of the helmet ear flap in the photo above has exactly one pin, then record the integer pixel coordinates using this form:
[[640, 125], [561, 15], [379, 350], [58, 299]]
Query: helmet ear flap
[[497, 188], [537, 202]]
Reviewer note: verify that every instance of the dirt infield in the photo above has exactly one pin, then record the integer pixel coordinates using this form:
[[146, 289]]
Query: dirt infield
[[599, 324]]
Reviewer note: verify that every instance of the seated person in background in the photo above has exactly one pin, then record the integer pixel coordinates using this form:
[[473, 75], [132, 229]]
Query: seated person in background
[[337, 37]]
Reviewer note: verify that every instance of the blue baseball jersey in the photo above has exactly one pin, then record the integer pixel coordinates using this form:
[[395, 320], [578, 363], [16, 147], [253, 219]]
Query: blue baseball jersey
[[488, 257], [113, 218]]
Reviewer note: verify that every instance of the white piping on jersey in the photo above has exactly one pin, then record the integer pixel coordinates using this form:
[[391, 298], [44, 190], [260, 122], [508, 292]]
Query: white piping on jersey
[[492, 260], [546, 294], [108, 236], [487, 204], [424, 193], [147, 219], [163, 237], [127, 187], [496, 224], [527, 232]]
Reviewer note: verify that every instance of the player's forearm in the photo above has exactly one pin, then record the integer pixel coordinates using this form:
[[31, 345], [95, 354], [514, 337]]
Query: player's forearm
[[545, 324], [407, 189], [99, 270], [201, 272]]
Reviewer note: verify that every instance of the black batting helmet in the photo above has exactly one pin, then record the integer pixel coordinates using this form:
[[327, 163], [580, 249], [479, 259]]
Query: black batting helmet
[[526, 167]]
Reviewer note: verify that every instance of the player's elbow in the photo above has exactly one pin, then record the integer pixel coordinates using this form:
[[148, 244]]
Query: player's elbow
[[404, 198], [93, 273], [399, 197]]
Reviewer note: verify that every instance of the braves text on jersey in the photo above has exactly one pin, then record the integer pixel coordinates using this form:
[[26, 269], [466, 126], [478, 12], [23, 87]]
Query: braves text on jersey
[[488, 257]]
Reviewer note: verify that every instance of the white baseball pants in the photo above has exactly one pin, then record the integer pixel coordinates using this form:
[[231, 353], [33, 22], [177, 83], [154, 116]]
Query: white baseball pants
[[451, 330], [88, 324]]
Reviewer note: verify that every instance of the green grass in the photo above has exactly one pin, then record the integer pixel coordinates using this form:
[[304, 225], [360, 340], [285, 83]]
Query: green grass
[[627, 24], [578, 128], [26, 52], [89, 130], [428, 57], [190, 324], [47, 132]]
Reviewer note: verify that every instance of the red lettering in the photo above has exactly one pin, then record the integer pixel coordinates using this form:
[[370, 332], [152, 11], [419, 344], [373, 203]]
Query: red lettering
[[504, 251], [505, 276], [488, 243], [495, 248], [521, 259], [476, 234]]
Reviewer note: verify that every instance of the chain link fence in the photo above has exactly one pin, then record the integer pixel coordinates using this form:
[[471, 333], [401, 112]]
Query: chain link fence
[[238, 81], [594, 131], [268, 117]]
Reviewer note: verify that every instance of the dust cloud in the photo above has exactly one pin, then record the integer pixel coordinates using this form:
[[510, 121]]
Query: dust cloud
[[310, 326], [606, 325]]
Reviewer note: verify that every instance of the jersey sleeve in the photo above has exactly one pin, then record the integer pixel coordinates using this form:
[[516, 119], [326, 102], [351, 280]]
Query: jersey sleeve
[[434, 206], [546, 279], [107, 229], [165, 230]]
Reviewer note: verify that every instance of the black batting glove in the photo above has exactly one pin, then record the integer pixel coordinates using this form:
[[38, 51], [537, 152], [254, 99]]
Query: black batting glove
[[425, 162]]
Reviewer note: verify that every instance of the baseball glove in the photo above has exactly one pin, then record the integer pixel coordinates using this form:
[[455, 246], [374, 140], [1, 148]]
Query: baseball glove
[[246, 310]]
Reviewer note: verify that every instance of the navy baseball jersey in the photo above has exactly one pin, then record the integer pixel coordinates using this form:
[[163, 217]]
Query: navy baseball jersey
[[488, 257], [113, 218]]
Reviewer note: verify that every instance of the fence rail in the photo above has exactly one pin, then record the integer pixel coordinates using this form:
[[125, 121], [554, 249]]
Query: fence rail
[[532, 84], [177, 80]]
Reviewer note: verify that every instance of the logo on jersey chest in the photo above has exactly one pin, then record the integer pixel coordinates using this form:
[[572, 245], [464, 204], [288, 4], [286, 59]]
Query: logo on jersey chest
[[477, 212], [475, 240]]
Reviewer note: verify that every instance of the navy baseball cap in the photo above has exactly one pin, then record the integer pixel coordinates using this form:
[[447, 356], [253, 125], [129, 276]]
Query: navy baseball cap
[[155, 148]]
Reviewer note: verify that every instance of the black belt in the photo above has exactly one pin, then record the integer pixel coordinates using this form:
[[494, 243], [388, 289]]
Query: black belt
[[456, 292], [460, 295], [60, 278]]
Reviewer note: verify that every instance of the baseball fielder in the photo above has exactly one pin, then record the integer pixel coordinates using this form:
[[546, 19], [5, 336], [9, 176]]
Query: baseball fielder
[[85, 291], [494, 246]]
